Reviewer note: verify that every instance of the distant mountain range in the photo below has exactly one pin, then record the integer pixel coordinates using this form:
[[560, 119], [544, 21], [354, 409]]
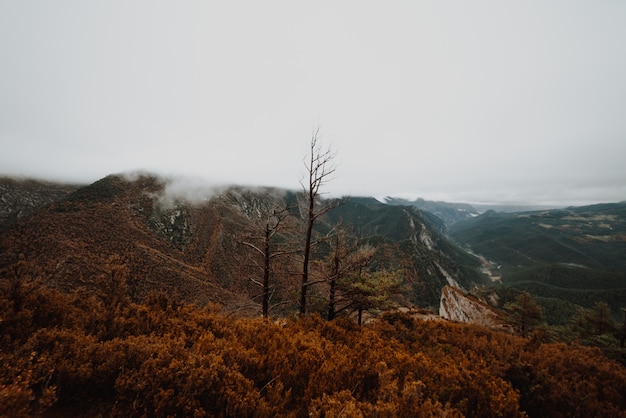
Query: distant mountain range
[[69, 235], [576, 254], [451, 213], [140, 296]]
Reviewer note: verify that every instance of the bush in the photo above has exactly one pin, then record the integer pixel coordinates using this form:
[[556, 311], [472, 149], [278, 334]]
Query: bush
[[169, 359]]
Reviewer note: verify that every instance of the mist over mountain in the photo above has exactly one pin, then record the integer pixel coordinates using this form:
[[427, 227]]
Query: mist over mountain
[[136, 294], [185, 236], [188, 240], [452, 213]]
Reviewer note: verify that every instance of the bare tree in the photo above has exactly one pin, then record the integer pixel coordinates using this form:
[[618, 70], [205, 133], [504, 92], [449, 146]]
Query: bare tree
[[320, 169], [272, 222]]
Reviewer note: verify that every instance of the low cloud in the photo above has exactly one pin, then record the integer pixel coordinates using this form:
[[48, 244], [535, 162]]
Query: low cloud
[[190, 190], [179, 188]]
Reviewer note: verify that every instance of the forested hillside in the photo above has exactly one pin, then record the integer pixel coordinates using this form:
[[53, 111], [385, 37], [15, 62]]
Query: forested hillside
[[204, 249], [574, 255], [127, 298]]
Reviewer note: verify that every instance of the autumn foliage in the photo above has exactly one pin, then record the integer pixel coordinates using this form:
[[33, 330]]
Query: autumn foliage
[[97, 353]]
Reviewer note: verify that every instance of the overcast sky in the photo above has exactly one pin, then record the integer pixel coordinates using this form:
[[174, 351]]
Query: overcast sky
[[476, 101]]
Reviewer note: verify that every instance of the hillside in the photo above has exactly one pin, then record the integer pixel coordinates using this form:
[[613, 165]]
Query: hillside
[[131, 297], [449, 213], [417, 238], [193, 249], [20, 197], [72, 242], [575, 254]]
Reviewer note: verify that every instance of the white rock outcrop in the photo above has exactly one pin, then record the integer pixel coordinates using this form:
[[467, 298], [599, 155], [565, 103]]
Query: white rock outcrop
[[456, 305]]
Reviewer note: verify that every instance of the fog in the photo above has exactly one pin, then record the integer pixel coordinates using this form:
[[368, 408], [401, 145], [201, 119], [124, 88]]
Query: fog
[[482, 101]]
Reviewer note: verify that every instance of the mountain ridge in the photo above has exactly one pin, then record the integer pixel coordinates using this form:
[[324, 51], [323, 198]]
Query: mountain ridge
[[194, 249], [198, 233], [575, 254]]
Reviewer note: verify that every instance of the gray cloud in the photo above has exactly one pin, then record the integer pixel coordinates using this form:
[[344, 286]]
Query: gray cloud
[[482, 100]]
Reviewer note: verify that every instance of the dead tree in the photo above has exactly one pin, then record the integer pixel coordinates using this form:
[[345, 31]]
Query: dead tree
[[273, 221], [319, 169]]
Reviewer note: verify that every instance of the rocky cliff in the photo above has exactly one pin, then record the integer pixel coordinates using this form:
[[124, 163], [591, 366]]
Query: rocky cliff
[[456, 305]]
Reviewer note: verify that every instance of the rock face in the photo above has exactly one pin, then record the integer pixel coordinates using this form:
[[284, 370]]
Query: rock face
[[456, 305], [19, 198]]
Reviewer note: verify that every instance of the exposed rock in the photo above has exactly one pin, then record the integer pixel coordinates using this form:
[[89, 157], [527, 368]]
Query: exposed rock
[[456, 305], [19, 197]]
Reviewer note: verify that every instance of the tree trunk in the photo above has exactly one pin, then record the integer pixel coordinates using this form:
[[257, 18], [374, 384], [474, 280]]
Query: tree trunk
[[331, 300], [333, 280], [623, 332], [319, 169], [266, 272], [307, 248]]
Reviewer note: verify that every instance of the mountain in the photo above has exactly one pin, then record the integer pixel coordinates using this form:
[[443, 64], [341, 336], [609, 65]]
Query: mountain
[[575, 254], [94, 280], [449, 213], [510, 207], [415, 238], [20, 197], [137, 233], [96, 230]]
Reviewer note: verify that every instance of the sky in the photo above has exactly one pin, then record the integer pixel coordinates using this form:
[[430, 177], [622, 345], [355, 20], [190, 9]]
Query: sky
[[467, 101]]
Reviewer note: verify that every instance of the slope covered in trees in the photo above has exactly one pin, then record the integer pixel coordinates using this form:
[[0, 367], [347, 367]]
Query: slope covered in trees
[[118, 301], [590, 236], [202, 250], [575, 255]]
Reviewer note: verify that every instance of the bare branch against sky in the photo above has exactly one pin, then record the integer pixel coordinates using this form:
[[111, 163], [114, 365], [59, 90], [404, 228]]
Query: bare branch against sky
[[500, 101]]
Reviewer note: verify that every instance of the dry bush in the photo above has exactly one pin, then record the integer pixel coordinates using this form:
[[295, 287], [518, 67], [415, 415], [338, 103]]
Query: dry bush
[[97, 353]]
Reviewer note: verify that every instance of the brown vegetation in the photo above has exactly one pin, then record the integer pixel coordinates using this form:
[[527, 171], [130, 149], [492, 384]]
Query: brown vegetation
[[111, 305], [90, 353]]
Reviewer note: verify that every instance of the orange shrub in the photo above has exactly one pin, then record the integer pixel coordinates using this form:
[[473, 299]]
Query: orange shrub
[[163, 358]]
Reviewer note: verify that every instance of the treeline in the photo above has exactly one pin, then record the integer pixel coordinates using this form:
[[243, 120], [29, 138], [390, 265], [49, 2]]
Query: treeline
[[98, 353], [552, 319]]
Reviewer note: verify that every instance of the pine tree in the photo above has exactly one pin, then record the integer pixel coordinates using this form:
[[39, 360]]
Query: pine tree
[[524, 313]]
